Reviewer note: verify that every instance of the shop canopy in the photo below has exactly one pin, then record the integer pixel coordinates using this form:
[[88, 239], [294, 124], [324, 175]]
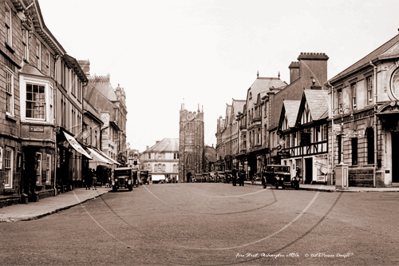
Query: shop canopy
[[109, 158], [75, 144], [98, 158]]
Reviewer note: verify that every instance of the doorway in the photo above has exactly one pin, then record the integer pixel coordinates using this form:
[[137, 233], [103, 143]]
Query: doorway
[[308, 170], [188, 177], [395, 157]]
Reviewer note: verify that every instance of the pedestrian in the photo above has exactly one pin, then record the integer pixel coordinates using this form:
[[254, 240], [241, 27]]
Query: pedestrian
[[89, 179], [234, 176], [263, 176], [135, 178], [297, 172], [94, 179], [241, 177]]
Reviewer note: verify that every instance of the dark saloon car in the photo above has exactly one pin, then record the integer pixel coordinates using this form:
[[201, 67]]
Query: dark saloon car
[[280, 176]]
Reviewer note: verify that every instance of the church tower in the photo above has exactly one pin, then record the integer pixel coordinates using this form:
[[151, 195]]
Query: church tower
[[191, 144]]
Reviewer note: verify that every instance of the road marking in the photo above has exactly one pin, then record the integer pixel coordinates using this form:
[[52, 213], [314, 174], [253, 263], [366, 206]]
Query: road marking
[[105, 230], [264, 238], [237, 196], [208, 213]]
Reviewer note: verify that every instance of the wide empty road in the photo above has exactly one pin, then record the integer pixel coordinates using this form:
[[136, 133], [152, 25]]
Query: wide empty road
[[212, 224]]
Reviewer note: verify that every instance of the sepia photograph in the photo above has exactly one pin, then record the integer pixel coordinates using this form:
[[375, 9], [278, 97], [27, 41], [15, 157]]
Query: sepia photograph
[[199, 132]]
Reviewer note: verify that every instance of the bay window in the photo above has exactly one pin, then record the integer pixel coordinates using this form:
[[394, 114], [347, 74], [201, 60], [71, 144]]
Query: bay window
[[35, 101]]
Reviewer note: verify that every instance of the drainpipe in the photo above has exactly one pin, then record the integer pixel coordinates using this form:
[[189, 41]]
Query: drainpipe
[[332, 135], [375, 121]]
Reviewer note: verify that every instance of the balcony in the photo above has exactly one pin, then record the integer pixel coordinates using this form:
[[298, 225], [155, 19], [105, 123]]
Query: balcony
[[243, 126]]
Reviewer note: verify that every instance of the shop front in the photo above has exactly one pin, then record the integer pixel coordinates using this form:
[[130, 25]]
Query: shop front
[[72, 161]]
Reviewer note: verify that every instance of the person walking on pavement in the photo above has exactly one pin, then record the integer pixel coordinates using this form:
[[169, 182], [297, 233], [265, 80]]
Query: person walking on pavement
[[94, 179], [234, 176], [89, 179]]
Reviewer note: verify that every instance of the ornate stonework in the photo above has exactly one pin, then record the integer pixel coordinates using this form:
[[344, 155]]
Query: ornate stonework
[[191, 144]]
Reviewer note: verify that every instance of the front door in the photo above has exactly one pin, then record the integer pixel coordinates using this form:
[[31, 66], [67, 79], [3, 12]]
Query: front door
[[395, 157], [309, 170]]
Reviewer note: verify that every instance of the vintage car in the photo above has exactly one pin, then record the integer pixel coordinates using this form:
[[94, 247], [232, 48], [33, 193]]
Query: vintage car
[[144, 177], [280, 176], [199, 178], [212, 177], [228, 176], [122, 178]]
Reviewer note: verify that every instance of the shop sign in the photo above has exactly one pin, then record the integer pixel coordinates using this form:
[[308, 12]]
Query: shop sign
[[337, 128], [283, 154], [355, 134], [36, 129]]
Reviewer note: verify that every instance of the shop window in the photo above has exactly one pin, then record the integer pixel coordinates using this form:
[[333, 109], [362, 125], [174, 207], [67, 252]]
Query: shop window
[[370, 146], [339, 144], [354, 151], [48, 170], [8, 167], [38, 161]]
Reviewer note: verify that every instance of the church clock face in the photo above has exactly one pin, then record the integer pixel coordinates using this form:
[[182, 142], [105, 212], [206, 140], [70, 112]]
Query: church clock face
[[190, 117]]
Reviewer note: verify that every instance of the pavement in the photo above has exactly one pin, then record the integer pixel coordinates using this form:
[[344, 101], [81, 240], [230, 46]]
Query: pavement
[[330, 188], [47, 206]]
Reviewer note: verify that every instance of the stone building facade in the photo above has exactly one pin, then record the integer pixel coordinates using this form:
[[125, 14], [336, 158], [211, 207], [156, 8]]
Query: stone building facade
[[162, 159], [42, 101], [111, 106], [365, 117], [191, 144]]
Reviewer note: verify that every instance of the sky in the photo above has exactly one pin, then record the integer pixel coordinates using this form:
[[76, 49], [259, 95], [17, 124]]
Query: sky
[[168, 52]]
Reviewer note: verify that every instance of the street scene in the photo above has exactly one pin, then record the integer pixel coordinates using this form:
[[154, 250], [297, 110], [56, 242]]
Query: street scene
[[199, 132], [210, 224]]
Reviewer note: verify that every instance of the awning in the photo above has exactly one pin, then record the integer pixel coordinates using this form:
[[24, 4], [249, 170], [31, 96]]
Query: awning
[[76, 145], [98, 158], [106, 156]]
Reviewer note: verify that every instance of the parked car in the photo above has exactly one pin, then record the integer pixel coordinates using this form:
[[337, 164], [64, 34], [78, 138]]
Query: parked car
[[280, 176], [212, 177], [144, 177]]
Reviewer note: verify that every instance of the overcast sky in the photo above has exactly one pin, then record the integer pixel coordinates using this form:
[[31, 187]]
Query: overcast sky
[[167, 52]]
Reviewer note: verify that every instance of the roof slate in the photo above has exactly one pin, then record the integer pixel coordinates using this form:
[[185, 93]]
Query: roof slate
[[291, 110], [317, 101], [263, 84], [370, 57], [166, 145]]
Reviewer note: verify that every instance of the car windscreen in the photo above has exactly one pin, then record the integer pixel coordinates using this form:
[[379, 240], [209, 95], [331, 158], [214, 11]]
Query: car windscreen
[[118, 173]]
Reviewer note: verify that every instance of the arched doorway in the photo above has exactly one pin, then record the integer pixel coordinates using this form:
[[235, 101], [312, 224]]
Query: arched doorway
[[189, 177]]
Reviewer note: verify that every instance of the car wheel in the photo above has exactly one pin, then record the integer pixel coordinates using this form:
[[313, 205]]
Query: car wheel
[[283, 186]]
